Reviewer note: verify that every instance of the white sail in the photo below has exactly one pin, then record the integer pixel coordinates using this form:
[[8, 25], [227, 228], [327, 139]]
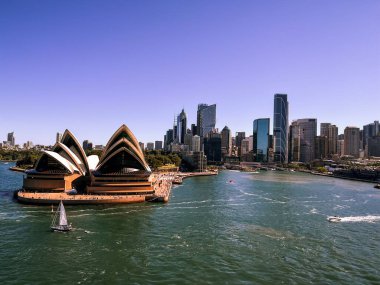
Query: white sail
[[62, 215]]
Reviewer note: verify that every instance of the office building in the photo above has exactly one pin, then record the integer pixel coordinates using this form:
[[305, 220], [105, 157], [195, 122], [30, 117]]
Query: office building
[[352, 141], [213, 147], [374, 146], [158, 145], [261, 139], [196, 143], [11, 139], [58, 137], [149, 146], [181, 126], [321, 147], [226, 141], [302, 142], [370, 130], [280, 128], [206, 119]]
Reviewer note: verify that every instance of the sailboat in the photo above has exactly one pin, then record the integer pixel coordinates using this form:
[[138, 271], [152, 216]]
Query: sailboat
[[59, 222]]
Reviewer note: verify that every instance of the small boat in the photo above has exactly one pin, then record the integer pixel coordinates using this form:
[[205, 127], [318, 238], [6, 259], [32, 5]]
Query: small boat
[[59, 222], [377, 186], [334, 219]]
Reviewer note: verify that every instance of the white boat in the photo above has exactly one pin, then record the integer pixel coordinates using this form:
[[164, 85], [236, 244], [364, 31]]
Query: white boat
[[59, 222], [334, 219]]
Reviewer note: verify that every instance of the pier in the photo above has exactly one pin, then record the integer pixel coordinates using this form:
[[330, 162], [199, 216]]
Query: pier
[[162, 185]]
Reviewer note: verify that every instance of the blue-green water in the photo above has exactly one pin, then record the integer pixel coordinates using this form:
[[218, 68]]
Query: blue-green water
[[267, 228]]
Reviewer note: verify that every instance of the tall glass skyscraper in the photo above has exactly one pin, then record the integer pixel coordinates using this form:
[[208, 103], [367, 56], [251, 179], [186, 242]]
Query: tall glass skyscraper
[[261, 139], [280, 128], [181, 126], [206, 119]]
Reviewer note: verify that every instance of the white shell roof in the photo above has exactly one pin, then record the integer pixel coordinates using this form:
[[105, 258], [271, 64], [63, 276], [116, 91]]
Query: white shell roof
[[93, 161], [67, 164]]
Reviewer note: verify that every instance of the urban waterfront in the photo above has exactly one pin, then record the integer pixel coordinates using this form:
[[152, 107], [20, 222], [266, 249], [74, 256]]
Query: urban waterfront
[[234, 228]]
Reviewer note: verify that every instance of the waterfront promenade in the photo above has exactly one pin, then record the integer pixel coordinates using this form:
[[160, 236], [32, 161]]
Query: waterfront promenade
[[162, 185]]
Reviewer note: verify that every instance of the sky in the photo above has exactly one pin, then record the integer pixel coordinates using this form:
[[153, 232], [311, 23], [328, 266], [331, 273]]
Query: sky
[[91, 66]]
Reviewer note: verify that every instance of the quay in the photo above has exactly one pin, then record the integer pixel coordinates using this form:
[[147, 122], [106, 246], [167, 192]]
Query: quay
[[162, 186]]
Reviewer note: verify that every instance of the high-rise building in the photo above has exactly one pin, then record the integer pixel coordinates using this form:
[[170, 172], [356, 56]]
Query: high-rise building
[[226, 142], [340, 148], [261, 139], [158, 145], [239, 137], [331, 133], [332, 147], [303, 136], [193, 129], [374, 146], [11, 139], [141, 144], [213, 146], [370, 130], [321, 146], [149, 146], [352, 141], [280, 128], [87, 145], [324, 132], [188, 139], [168, 137], [206, 119], [58, 137], [196, 143], [244, 147], [181, 126]]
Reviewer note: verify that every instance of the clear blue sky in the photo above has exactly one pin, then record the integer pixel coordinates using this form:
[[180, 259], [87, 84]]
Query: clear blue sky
[[90, 66]]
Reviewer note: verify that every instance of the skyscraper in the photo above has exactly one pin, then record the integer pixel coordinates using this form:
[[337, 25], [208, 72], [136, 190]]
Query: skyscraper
[[181, 126], [331, 133], [332, 147], [196, 144], [352, 141], [206, 119], [58, 137], [239, 137], [226, 142], [280, 128], [303, 136], [213, 146], [261, 139], [11, 139], [369, 131], [158, 145]]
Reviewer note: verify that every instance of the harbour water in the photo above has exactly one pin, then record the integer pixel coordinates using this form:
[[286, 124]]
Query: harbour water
[[234, 228]]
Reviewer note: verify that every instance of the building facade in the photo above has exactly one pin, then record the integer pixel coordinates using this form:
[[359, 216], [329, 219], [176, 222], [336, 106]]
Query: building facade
[[280, 128], [226, 142], [352, 141], [206, 119], [261, 139], [181, 126], [302, 142]]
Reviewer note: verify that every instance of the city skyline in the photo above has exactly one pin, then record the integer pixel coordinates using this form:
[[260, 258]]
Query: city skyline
[[104, 65]]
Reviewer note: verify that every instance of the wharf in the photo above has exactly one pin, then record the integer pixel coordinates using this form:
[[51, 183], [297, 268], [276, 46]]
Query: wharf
[[162, 185]]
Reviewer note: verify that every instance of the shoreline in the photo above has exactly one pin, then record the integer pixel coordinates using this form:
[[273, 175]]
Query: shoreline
[[163, 186]]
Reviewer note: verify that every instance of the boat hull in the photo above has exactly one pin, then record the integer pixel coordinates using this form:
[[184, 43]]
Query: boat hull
[[61, 228]]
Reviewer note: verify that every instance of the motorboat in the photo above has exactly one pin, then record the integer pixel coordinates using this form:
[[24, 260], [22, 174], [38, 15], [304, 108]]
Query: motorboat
[[334, 219], [377, 186]]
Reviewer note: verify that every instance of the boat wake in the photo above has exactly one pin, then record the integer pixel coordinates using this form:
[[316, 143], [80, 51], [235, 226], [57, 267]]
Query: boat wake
[[357, 219]]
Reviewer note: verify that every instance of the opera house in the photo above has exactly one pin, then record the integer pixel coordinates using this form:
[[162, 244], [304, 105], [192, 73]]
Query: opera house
[[121, 169]]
